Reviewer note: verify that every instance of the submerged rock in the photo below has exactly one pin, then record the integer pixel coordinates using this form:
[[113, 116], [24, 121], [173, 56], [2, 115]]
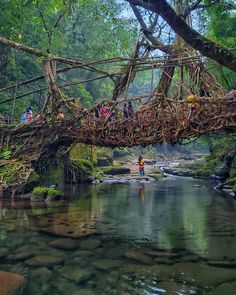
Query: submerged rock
[[11, 283], [75, 274], [107, 264], [132, 254], [44, 261], [21, 256], [66, 244], [90, 244], [42, 274]]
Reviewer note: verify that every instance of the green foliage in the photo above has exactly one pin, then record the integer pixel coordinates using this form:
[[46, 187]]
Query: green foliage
[[85, 164], [5, 154], [88, 30], [203, 172], [221, 28]]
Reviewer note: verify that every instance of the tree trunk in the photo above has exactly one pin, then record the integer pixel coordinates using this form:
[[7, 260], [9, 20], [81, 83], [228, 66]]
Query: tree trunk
[[208, 48]]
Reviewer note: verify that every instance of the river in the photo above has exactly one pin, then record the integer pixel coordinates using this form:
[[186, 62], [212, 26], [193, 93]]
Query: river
[[172, 236]]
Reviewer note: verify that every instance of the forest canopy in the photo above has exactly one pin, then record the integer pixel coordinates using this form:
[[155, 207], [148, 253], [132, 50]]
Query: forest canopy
[[95, 30]]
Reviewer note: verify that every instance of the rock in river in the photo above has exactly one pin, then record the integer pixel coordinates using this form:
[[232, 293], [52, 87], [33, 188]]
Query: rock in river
[[11, 283], [44, 260], [107, 264], [76, 274], [66, 244], [90, 244], [138, 256]]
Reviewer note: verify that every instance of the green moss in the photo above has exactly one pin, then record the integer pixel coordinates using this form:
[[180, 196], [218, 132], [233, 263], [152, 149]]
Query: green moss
[[203, 172], [10, 173], [40, 191], [54, 193]]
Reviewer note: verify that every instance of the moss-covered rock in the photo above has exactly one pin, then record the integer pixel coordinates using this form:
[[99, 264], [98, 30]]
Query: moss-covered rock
[[41, 193], [103, 161], [116, 170], [78, 171], [204, 172], [54, 195]]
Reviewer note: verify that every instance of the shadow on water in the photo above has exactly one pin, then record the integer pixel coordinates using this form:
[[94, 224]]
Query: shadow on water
[[165, 237]]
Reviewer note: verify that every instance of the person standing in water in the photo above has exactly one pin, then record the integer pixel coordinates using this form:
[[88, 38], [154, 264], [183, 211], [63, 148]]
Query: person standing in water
[[141, 166]]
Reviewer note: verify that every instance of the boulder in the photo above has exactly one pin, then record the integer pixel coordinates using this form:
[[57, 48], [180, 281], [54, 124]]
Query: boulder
[[11, 283]]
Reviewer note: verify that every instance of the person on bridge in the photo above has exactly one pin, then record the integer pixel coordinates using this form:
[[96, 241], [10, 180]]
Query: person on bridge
[[24, 117], [141, 166], [104, 111], [130, 109], [125, 111], [192, 105], [29, 114]]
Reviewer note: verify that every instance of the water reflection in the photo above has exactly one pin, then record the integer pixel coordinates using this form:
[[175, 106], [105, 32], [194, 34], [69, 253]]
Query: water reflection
[[123, 233]]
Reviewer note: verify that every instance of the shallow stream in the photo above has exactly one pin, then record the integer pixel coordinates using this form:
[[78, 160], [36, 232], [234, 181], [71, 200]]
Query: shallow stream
[[173, 236]]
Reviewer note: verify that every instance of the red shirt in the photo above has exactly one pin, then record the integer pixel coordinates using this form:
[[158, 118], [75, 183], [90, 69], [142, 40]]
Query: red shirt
[[104, 112]]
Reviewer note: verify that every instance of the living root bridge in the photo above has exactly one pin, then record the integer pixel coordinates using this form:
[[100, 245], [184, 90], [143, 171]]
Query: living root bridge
[[156, 122]]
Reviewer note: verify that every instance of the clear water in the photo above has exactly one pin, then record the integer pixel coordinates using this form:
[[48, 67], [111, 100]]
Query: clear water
[[165, 237]]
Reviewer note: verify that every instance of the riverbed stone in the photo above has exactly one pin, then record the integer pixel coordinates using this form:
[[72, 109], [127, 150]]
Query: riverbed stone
[[44, 260], [64, 286], [68, 231], [138, 256], [90, 244], [66, 244], [11, 283], [21, 256], [42, 274], [107, 264], [112, 278], [75, 274]]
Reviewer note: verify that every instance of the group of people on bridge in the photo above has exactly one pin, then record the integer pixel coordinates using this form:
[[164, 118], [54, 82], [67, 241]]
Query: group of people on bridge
[[27, 115], [105, 112]]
